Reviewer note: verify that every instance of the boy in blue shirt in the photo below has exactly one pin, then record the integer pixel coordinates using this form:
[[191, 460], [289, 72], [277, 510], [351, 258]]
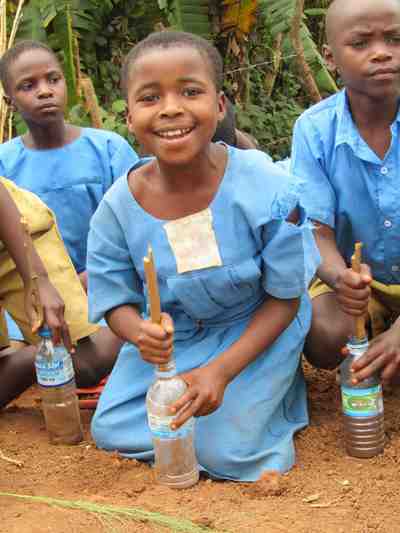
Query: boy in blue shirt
[[346, 149], [68, 167]]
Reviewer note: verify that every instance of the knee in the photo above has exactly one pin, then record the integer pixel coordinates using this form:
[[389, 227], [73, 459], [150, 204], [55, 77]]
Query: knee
[[94, 360], [324, 342], [88, 375]]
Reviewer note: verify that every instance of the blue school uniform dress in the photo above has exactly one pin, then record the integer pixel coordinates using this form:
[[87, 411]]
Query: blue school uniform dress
[[348, 187], [215, 268], [70, 180]]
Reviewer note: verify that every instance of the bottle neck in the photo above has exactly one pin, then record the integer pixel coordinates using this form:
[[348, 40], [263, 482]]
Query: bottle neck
[[167, 370], [44, 332], [357, 347]]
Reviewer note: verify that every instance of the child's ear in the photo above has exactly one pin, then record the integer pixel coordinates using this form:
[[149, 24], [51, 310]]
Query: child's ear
[[221, 106], [129, 122], [329, 58]]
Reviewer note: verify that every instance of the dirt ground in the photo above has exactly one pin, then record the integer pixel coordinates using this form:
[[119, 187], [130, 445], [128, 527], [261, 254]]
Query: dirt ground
[[325, 492]]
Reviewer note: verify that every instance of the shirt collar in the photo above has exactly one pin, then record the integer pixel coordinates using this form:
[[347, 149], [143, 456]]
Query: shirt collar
[[347, 132]]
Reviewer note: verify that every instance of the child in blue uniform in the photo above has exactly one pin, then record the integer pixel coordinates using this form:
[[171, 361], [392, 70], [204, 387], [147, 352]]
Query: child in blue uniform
[[68, 167], [346, 149], [234, 256]]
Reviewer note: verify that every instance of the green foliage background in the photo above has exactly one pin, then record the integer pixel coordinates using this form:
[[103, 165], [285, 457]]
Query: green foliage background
[[106, 29]]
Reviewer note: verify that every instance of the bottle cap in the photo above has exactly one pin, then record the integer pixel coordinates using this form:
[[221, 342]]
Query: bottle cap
[[44, 332]]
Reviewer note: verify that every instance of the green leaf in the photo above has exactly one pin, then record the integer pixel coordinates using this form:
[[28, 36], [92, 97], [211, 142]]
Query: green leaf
[[315, 12], [63, 27], [118, 106], [31, 26]]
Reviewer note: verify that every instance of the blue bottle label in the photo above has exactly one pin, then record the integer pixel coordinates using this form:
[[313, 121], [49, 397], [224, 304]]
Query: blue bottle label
[[160, 427], [362, 402], [54, 372]]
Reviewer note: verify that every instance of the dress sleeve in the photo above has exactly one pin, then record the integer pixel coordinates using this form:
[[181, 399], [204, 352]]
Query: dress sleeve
[[112, 278], [290, 255], [123, 157], [307, 163]]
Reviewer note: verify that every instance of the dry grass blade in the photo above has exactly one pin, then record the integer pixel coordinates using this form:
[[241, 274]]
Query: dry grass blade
[[9, 460], [114, 512]]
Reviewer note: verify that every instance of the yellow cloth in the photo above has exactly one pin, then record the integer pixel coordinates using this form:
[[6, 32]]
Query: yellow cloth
[[62, 274], [383, 306]]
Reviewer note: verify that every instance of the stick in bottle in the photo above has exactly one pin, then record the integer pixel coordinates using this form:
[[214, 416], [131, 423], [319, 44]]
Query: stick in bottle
[[175, 458]]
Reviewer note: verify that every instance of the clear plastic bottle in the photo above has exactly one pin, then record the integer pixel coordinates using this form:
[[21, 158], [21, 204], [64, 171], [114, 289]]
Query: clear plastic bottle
[[55, 376], [175, 458], [362, 406]]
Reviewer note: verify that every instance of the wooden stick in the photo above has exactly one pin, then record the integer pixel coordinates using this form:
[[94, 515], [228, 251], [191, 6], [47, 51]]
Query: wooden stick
[[360, 332], [153, 292], [37, 304], [152, 286]]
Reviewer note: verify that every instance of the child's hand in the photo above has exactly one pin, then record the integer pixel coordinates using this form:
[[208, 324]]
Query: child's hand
[[53, 312], [155, 342], [353, 291], [44, 304], [383, 355], [204, 395]]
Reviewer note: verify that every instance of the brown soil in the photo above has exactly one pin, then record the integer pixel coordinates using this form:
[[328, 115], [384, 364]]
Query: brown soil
[[325, 492]]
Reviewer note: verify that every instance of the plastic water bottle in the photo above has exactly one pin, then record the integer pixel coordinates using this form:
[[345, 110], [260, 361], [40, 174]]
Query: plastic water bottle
[[55, 376], [175, 458], [362, 406]]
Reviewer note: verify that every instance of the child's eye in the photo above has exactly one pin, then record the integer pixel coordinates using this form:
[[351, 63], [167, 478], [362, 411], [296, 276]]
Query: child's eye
[[26, 86], [54, 79], [191, 91], [149, 98], [359, 44], [393, 39]]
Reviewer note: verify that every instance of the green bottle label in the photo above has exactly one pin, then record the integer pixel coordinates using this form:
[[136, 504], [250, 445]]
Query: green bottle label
[[362, 402]]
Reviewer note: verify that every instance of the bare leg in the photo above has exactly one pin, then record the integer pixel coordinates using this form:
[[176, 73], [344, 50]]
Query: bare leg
[[330, 330], [95, 357], [17, 373]]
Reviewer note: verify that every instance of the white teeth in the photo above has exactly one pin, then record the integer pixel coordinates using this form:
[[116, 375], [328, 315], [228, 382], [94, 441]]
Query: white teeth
[[174, 133]]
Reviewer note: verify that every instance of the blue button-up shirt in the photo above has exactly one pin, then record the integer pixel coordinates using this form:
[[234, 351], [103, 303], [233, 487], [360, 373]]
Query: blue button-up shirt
[[348, 187]]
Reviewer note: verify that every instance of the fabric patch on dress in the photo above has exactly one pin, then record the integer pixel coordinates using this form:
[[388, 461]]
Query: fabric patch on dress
[[193, 242]]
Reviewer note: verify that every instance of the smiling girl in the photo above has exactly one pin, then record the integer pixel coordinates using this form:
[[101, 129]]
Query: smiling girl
[[234, 257]]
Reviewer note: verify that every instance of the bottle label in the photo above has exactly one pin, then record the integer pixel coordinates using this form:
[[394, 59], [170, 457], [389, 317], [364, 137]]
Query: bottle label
[[53, 373], [362, 402], [160, 427]]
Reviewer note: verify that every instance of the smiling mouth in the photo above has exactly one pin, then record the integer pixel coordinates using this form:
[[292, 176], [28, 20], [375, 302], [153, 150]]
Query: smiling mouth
[[177, 133], [50, 107]]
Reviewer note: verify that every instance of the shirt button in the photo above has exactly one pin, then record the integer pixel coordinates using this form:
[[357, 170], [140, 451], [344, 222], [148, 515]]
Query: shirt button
[[384, 170], [395, 268], [387, 224]]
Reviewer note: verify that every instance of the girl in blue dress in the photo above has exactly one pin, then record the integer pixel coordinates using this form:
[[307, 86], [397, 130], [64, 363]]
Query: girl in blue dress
[[234, 257]]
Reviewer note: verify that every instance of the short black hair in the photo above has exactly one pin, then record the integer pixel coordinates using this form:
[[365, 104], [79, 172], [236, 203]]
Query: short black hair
[[170, 39], [226, 128], [13, 54]]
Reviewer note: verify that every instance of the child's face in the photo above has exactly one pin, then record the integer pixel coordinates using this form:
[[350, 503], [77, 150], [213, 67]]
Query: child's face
[[173, 104], [37, 87], [365, 47]]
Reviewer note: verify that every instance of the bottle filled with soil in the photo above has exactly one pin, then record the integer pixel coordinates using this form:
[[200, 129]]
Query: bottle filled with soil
[[55, 376], [362, 406]]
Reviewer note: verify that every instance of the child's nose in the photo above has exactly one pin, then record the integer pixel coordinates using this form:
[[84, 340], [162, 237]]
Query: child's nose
[[44, 90], [381, 52], [172, 106]]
